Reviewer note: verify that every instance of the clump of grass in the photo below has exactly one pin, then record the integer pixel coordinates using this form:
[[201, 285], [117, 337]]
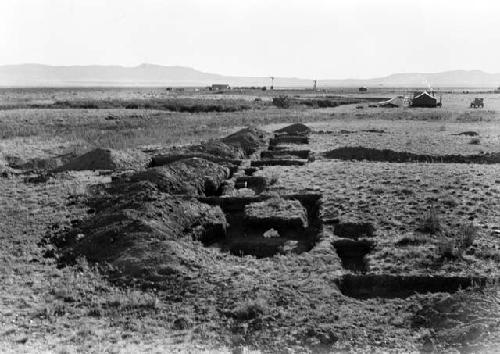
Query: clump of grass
[[467, 235], [274, 177], [454, 246], [446, 248], [413, 240], [83, 285], [475, 141], [250, 309], [431, 223]]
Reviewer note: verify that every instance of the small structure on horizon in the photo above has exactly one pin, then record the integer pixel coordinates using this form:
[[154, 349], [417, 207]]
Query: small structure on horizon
[[220, 87], [363, 89], [425, 99]]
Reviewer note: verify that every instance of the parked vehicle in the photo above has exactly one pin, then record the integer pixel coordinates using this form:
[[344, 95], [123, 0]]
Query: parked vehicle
[[477, 103]]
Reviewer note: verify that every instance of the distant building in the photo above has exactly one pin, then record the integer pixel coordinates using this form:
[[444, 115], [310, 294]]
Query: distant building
[[219, 87], [424, 99], [363, 89]]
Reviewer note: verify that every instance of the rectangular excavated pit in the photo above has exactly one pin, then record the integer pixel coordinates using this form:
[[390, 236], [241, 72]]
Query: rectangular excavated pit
[[289, 139], [400, 286], [352, 253], [256, 183], [246, 237], [354, 230], [273, 154], [360, 153]]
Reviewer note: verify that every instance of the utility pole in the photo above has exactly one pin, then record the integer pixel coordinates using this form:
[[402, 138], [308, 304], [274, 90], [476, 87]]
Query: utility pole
[[314, 85]]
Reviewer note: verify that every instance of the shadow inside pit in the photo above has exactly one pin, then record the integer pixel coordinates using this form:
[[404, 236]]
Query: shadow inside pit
[[386, 155], [400, 286], [243, 239], [352, 253]]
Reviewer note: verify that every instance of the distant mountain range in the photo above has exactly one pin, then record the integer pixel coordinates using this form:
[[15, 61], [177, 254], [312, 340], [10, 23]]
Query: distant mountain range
[[27, 75]]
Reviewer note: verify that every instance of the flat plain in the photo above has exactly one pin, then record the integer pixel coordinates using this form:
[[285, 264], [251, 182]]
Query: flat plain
[[398, 248]]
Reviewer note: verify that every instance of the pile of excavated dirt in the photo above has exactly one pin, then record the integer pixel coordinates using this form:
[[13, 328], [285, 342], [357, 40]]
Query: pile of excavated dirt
[[458, 320], [278, 213], [212, 150], [145, 235], [294, 129], [214, 147], [106, 159], [248, 140], [166, 159], [190, 177]]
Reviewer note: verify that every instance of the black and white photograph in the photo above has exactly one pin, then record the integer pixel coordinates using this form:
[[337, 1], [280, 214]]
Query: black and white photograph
[[249, 176]]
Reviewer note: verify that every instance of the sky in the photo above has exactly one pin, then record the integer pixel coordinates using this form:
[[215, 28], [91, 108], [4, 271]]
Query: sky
[[313, 39]]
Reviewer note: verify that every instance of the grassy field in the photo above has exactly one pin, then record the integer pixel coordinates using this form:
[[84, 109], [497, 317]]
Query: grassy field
[[285, 303]]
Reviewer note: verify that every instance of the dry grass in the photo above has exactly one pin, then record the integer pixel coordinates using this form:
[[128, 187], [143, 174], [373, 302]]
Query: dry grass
[[78, 309]]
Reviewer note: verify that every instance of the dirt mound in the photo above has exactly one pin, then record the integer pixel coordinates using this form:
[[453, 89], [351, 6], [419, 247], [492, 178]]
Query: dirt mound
[[166, 159], [247, 139], [361, 153], [449, 317], [216, 148], [294, 129], [191, 177], [278, 213], [106, 159], [145, 235]]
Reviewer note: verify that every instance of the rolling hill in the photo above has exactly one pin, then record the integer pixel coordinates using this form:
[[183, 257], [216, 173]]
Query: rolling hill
[[39, 75]]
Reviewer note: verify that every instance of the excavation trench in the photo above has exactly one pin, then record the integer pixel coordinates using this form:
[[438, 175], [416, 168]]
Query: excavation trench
[[256, 183], [276, 154], [367, 154], [289, 139], [352, 253], [269, 236], [400, 286], [354, 230]]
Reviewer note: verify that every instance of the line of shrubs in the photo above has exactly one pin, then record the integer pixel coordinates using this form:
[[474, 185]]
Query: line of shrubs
[[286, 102], [174, 105]]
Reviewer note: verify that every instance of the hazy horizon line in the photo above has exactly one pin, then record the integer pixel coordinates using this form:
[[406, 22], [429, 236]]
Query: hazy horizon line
[[249, 76]]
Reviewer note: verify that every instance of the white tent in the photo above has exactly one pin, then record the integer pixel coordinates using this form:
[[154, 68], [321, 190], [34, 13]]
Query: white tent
[[399, 101]]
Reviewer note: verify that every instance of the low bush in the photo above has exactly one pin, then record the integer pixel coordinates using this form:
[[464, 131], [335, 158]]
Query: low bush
[[282, 102]]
